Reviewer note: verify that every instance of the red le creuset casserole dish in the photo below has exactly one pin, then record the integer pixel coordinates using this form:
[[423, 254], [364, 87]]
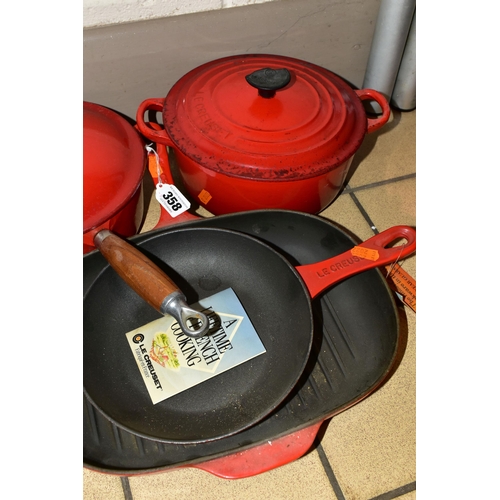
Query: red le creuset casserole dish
[[262, 131], [114, 164]]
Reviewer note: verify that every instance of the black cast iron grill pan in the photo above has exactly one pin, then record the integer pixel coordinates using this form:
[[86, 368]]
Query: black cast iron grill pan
[[355, 337]]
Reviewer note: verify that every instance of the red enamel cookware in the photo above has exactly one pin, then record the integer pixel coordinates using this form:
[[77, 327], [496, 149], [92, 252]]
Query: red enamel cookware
[[262, 131], [357, 345], [114, 163], [275, 294], [359, 310]]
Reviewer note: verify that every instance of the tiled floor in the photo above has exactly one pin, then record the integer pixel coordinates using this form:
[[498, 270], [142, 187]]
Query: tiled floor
[[368, 451]]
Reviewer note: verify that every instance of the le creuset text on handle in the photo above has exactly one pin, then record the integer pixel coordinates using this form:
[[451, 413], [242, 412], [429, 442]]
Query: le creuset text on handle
[[321, 275]]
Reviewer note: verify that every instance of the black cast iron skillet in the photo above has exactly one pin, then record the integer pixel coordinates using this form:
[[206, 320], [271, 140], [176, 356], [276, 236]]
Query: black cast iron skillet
[[203, 261], [359, 336]]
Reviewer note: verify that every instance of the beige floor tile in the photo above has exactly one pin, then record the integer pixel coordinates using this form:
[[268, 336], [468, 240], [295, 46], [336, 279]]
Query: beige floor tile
[[412, 495], [303, 478], [372, 446], [386, 153], [390, 204], [152, 215], [97, 486], [343, 211]]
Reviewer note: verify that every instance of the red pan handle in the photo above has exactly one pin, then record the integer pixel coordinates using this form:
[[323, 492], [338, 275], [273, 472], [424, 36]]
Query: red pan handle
[[373, 252]]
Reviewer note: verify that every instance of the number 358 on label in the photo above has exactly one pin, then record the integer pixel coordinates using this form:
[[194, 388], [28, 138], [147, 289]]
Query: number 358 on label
[[171, 199]]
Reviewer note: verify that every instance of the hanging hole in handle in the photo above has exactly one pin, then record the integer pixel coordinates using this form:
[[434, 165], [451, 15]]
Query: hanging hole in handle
[[401, 243], [387, 242], [193, 322], [397, 242]]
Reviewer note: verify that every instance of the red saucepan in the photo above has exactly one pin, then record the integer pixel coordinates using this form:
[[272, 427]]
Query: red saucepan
[[262, 131], [202, 261], [114, 163]]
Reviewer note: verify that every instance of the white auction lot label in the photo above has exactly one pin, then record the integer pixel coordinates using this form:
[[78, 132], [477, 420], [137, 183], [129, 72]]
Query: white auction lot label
[[171, 199]]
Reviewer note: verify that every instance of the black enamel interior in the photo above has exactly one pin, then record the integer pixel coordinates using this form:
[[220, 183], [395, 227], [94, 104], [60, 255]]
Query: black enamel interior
[[202, 261], [356, 334]]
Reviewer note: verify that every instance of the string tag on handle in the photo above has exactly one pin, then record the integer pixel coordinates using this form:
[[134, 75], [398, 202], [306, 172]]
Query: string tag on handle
[[389, 269], [151, 151], [403, 284], [167, 195]]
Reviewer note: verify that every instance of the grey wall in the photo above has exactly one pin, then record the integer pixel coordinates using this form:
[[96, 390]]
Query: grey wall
[[127, 63]]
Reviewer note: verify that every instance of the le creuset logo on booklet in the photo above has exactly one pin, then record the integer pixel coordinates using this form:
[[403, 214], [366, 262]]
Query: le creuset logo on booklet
[[171, 362], [137, 339]]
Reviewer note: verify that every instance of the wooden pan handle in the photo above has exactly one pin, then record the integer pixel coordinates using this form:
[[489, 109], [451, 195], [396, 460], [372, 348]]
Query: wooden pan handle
[[142, 275]]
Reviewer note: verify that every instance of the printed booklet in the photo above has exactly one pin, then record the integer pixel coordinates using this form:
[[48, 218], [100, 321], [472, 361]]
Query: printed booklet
[[171, 362]]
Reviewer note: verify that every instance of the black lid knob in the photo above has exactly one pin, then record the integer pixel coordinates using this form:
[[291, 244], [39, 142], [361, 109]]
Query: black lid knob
[[268, 80]]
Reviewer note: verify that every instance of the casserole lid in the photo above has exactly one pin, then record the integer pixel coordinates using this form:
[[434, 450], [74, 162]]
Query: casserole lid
[[264, 116], [114, 162]]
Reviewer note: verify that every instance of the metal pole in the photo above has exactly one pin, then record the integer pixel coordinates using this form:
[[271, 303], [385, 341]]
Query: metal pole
[[389, 40], [404, 95]]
